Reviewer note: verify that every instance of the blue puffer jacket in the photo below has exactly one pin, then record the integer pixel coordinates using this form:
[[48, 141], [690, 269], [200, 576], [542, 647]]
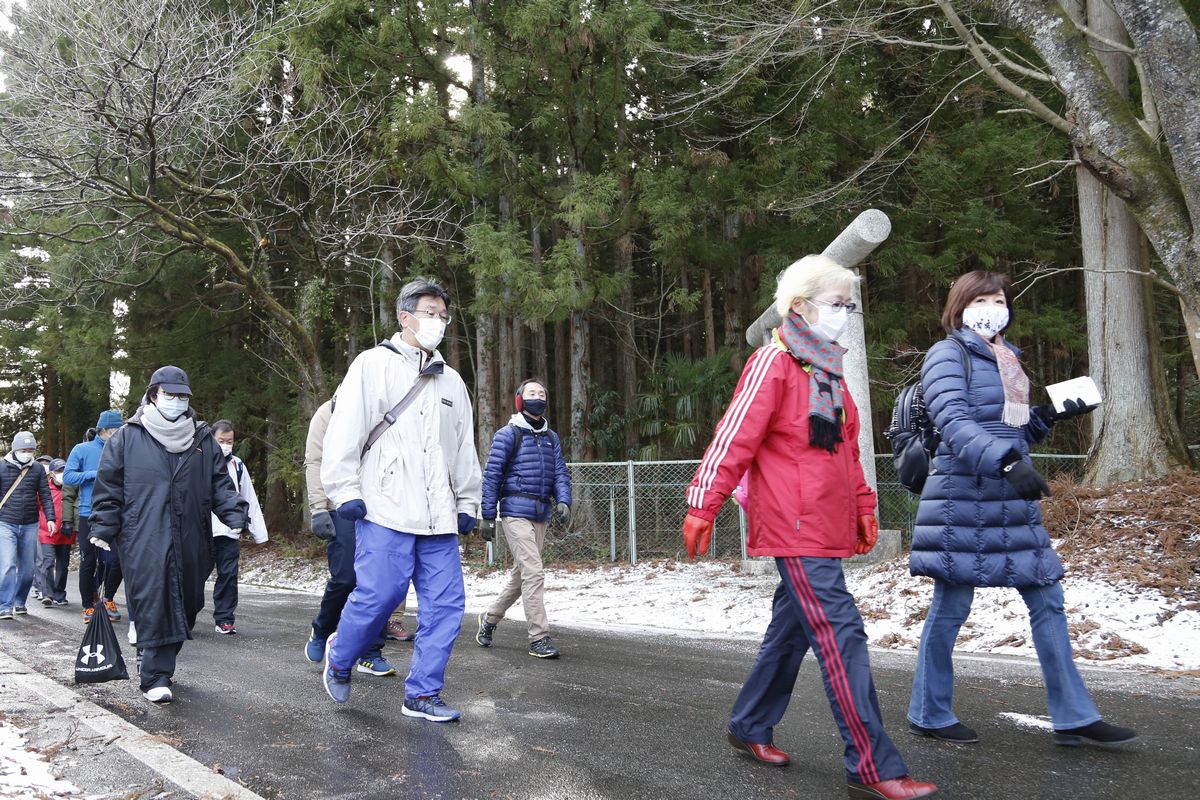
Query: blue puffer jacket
[[530, 483], [972, 528]]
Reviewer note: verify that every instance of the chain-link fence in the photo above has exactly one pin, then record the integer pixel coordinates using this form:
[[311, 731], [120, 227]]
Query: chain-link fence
[[631, 510]]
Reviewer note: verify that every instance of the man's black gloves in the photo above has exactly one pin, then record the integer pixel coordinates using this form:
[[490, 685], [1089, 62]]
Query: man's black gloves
[[562, 514], [322, 526], [487, 529]]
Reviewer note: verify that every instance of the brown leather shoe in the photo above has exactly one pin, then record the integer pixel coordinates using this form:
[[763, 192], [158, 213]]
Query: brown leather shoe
[[904, 788], [766, 753]]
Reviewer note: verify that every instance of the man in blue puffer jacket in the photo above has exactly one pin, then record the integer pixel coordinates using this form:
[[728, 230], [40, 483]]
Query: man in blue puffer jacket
[[525, 480]]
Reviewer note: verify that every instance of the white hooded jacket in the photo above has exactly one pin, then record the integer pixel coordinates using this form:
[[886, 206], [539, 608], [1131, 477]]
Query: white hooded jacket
[[255, 522], [423, 471]]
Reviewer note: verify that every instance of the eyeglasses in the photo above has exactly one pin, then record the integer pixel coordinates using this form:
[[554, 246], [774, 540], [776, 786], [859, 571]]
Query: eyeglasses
[[836, 305], [420, 312]]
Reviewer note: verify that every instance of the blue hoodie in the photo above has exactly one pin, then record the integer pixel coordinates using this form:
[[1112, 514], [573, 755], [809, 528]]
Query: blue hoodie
[[81, 471]]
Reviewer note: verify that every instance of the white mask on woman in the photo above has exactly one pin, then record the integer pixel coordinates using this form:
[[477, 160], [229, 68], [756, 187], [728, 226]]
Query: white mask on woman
[[987, 321], [831, 323]]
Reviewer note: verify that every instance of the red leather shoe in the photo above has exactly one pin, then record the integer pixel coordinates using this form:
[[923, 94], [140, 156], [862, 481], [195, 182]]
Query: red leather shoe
[[766, 753], [904, 788]]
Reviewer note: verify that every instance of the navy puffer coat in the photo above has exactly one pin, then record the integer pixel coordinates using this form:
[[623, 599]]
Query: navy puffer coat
[[972, 528], [528, 483]]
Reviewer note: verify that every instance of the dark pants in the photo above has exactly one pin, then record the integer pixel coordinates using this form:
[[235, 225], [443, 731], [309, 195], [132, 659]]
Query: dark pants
[[158, 665], [93, 565], [342, 581], [813, 609], [225, 553], [53, 562]]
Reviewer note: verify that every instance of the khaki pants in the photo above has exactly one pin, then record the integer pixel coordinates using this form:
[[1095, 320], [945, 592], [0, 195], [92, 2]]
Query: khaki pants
[[524, 538]]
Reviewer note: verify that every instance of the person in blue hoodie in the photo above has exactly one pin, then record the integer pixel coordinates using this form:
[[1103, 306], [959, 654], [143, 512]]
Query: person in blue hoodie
[[525, 481], [81, 471]]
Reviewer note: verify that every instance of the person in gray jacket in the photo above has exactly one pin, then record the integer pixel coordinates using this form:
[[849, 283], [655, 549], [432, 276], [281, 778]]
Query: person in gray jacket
[[23, 488]]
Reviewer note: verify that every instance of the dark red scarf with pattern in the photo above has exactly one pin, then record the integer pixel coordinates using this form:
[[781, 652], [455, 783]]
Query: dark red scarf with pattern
[[825, 370]]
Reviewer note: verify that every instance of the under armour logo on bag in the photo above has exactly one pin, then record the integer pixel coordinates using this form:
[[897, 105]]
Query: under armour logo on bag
[[89, 653]]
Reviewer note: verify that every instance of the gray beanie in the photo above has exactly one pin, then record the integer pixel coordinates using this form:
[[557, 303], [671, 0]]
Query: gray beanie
[[23, 441]]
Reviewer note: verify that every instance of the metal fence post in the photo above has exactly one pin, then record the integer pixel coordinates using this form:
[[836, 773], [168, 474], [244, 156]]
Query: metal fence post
[[612, 523], [632, 514], [742, 526]]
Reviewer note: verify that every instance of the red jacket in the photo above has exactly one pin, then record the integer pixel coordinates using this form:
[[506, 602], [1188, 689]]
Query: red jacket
[[44, 535], [804, 500]]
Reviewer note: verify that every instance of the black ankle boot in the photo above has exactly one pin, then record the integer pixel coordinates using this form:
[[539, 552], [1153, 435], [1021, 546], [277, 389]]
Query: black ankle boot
[[1098, 733]]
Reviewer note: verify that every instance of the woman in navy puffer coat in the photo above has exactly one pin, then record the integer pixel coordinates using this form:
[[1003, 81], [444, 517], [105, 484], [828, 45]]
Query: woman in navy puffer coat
[[979, 522]]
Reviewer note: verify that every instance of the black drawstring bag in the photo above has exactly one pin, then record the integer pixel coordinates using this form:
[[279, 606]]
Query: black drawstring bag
[[99, 658]]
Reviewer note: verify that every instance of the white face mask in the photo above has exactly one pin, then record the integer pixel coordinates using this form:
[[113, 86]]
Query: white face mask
[[227, 449], [429, 333], [987, 321], [171, 407], [23, 456], [831, 323]]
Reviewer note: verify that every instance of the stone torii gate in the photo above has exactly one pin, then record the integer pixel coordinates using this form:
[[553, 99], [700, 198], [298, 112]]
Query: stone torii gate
[[868, 230]]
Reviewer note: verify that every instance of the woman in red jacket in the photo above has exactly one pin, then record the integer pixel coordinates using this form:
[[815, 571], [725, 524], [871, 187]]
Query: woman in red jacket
[[54, 567], [794, 426]]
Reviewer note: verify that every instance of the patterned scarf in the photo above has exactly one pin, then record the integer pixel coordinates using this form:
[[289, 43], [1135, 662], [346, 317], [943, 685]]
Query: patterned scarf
[[824, 360], [1015, 383]]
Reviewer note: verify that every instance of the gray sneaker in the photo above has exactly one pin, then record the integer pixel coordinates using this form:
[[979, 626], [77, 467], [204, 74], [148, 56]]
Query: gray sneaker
[[483, 637], [543, 648], [19, 610], [6, 613]]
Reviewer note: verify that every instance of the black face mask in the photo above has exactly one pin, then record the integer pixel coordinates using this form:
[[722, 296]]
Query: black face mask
[[534, 407]]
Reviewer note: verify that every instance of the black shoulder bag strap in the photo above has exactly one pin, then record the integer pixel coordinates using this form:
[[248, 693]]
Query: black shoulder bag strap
[[424, 378]]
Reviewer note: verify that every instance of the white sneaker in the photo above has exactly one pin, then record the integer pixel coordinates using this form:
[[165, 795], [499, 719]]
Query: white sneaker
[[132, 635], [159, 694]]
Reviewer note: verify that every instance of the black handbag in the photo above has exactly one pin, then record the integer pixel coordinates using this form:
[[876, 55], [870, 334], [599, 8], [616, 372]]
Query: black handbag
[[99, 658]]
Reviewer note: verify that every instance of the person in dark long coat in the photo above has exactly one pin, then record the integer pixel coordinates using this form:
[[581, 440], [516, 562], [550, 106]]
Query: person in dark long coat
[[160, 479], [979, 522]]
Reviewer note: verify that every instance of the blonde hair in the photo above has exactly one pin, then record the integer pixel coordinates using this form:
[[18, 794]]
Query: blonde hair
[[808, 277]]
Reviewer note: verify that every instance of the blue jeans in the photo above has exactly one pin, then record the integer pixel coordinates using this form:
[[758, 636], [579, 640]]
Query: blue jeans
[[933, 685], [385, 562], [18, 550]]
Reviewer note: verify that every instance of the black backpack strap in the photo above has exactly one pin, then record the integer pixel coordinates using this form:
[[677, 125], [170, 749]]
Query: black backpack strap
[[966, 356], [518, 435]]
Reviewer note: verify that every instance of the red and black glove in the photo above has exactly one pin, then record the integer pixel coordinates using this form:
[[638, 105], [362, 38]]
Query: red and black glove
[[868, 534], [697, 533]]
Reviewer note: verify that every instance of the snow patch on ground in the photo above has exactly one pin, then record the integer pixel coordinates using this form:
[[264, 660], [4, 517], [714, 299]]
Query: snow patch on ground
[[1027, 721], [1117, 625], [24, 774]]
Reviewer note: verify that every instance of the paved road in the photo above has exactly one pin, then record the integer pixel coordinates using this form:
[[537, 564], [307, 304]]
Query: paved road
[[619, 716]]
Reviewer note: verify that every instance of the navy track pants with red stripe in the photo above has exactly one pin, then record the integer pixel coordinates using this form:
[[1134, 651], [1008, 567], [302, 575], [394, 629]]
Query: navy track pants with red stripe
[[813, 609]]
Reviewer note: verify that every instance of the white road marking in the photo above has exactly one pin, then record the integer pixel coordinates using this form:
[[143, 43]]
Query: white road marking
[[174, 766]]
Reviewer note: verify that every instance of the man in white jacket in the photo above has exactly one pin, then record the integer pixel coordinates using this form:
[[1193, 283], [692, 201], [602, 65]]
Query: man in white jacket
[[411, 487], [226, 545]]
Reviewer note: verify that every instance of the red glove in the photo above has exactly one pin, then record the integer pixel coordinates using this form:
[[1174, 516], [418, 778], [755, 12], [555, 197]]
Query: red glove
[[868, 534], [696, 534]]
